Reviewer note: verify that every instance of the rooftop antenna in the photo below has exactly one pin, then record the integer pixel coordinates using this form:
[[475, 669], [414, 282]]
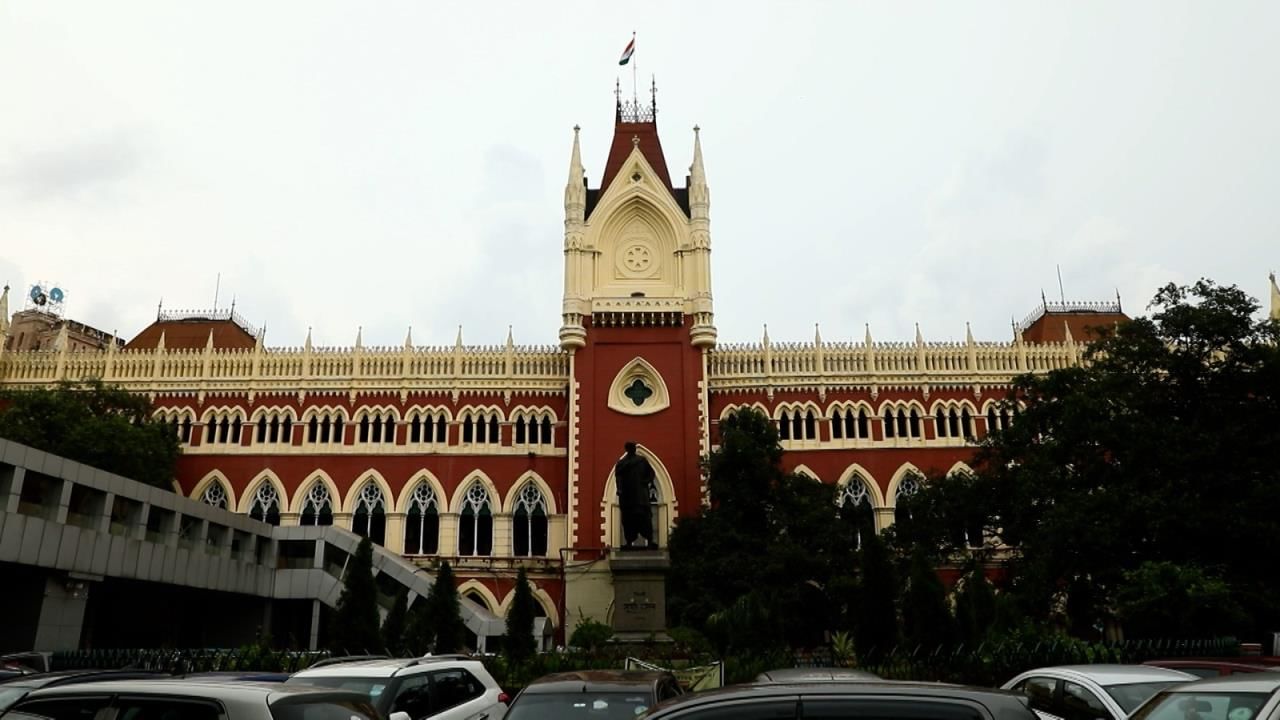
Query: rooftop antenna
[[1061, 295], [217, 285]]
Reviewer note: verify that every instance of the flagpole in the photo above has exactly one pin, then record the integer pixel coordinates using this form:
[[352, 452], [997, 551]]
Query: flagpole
[[635, 92]]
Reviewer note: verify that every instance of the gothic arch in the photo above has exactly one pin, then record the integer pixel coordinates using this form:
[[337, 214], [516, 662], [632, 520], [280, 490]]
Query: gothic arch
[[495, 497], [861, 474], [282, 410], [666, 495], [509, 502], [803, 469], [401, 503], [353, 494], [317, 476], [230, 411], [215, 476], [321, 410], [733, 408], [494, 606], [642, 371], [960, 467], [250, 490], [540, 596], [895, 482]]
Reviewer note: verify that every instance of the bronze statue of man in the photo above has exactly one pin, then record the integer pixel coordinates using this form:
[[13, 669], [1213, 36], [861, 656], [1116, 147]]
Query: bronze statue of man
[[633, 475]]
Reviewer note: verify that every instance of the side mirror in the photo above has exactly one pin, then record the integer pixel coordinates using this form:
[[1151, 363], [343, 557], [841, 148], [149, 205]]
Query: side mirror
[[400, 716]]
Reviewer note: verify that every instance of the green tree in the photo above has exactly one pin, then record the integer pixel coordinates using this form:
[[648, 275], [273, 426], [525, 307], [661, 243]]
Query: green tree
[[1163, 599], [876, 630], [1159, 448], [355, 621], [393, 627], [448, 631], [769, 546], [419, 630], [975, 605], [99, 425], [926, 620], [520, 645]]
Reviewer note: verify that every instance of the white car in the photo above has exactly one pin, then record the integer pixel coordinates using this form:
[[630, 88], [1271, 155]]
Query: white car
[[1093, 692], [440, 687]]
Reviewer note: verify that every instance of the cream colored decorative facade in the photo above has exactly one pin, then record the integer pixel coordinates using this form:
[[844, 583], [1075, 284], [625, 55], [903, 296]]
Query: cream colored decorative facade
[[501, 457]]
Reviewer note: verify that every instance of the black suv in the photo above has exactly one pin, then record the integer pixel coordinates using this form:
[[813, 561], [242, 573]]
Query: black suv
[[864, 700], [594, 694]]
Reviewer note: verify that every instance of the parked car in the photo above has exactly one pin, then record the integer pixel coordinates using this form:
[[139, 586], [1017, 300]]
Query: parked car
[[1255, 696], [14, 689], [240, 676], [601, 694], [1093, 692], [447, 687], [814, 675], [1212, 667], [171, 699], [835, 700]]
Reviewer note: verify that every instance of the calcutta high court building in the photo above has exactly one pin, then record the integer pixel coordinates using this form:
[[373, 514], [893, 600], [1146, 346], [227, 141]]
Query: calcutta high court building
[[497, 458]]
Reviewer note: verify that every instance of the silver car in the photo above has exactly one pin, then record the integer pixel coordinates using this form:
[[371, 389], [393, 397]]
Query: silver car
[[194, 700], [1255, 696], [1093, 692]]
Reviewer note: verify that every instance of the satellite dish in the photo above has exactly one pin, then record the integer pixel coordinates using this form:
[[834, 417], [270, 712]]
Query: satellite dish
[[37, 296], [56, 295]]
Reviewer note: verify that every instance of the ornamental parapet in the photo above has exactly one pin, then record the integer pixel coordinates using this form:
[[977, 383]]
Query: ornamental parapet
[[882, 364], [517, 368]]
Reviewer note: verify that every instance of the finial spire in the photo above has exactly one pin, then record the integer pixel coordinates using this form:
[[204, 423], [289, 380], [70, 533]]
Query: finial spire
[[697, 173], [307, 345], [359, 336], [766, 334], [458, 343], [919, 337], [510, 344], [817, 335], [866, 338], [1275, 297], [408, 338], [968, 333], [4, 310]]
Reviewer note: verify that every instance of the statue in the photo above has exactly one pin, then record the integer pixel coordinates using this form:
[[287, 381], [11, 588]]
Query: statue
[[633, 474]]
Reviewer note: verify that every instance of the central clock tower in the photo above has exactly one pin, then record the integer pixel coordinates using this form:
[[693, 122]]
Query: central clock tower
[[638, 322]]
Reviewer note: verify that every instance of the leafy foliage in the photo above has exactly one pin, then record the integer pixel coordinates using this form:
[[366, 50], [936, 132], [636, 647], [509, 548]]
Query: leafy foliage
[[589, 634], [520, 644], [926, 619], [1159, 449], [355, 621], [761, 567], [1162, 598], [97, 424], [876, 630], [444, 612], [393, 627]]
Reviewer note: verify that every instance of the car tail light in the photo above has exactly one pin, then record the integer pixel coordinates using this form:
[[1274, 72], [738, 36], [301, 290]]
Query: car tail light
[[504, 698]]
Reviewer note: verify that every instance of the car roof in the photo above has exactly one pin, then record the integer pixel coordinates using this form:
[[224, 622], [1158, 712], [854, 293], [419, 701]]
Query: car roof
[[1209, 663], [380, 667], [1251, 683], [814, 675], [850, 687], [66, 677], [211, 688], [1115, 674], [595, 681]]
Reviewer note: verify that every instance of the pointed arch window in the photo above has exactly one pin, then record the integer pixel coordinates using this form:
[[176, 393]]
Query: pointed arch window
[[370, 517], [529, 534], [475, 525], [856, 510], [266, 504], [215, 495], [317, 508], [966, 423], [422, 522], [908, 486], [888, 423], [784, 425]]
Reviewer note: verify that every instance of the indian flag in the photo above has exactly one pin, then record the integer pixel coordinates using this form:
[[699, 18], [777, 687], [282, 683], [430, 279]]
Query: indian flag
[[626, 54]]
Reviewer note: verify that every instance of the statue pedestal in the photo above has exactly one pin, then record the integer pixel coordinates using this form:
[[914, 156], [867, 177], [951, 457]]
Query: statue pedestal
[[640, 595]]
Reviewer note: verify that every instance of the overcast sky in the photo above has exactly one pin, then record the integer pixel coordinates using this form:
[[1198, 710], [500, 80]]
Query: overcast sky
[[388, 165]]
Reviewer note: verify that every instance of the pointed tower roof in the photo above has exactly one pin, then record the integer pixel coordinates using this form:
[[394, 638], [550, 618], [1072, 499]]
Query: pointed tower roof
[[4, 310], [635, 127], [1275, 297]]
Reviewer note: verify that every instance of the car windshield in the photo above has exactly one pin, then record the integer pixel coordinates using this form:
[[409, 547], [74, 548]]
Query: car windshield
[[10, 694], [1130, 695], [1202, 706], [323, 710], [374, 687], [596, 706]]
